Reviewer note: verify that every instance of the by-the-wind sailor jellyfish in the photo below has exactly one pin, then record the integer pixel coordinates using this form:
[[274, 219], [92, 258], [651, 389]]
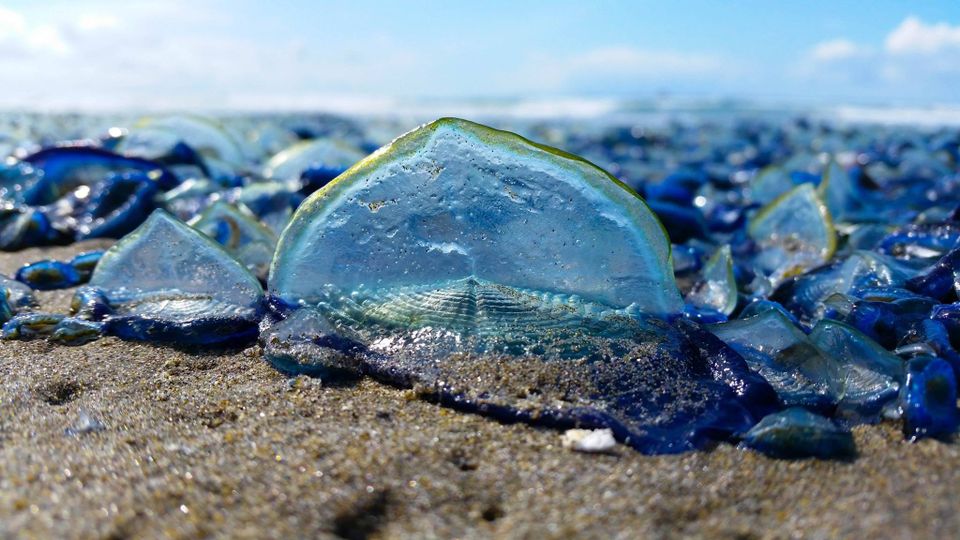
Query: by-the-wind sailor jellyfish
[[168, 282], [500, 276], [240, 233]]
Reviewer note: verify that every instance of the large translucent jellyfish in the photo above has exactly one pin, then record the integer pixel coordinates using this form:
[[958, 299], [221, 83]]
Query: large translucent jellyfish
[[168, 282], [453, 200], [499, 276]]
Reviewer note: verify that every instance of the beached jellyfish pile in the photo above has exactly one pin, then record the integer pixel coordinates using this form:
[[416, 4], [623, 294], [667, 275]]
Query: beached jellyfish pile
[[768, 283]]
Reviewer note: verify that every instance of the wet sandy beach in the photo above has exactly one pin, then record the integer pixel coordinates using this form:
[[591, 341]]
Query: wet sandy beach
[[197, 444]]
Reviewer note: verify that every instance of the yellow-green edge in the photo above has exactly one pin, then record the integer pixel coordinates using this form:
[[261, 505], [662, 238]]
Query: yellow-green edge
[[728, 267], [389, 150], [825, 178], [763, 173], [821, 208]]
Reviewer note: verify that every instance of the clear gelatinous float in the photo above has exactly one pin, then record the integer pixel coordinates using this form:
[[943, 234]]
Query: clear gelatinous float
[[508, 278]]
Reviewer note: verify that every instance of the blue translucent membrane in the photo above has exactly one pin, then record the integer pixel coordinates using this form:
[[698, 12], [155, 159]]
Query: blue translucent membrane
[[454, 200], [835, 370]]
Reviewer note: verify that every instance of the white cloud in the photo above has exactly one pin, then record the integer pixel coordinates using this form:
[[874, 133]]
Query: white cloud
[[616, 70], [11, 23], [913, 36], [195, 55], [91, 22], [918, 61], [47, 38], [165, 56], [177, 55], [836, 49], [17, 36]]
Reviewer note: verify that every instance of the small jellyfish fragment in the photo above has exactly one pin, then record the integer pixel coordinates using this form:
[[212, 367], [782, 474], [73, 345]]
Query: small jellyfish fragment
[[116, 206], [48, 275], [797, 433], [168, 282], [838, 191], [866, 236], [681, 223], [498, 276], [889, 316], [929, 399], [89, 303], [306, 343], [759, 305], [84, 263], [164, 137], [19, 296], [68, 167], [272, 202], [314, 162], [804, 295], [940, 281], [785, 357], [921, 240], [73, 331], [190, 197], [240, 233], [31, 325], [21, 184], [770, 183], [687, 259], [717, 288], [22, 227], [871, 375], [794, 233]]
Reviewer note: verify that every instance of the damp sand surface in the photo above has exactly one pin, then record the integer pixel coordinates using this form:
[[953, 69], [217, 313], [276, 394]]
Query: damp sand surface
[[218, 444]]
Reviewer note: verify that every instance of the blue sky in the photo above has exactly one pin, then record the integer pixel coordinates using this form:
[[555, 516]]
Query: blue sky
[[313, 54]]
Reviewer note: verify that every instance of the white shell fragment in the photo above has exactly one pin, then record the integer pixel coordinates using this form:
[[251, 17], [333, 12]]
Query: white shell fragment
[[590, 441]]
